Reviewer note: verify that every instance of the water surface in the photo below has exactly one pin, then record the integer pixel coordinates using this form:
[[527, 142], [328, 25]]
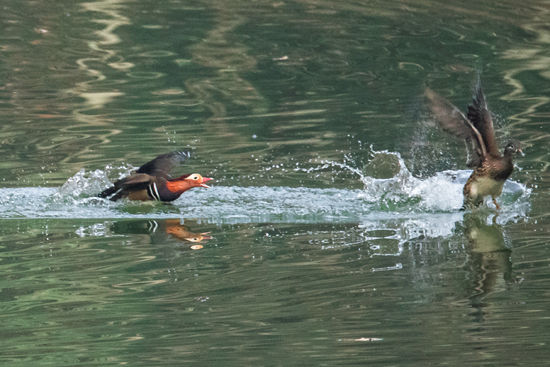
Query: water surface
[[332, 234]]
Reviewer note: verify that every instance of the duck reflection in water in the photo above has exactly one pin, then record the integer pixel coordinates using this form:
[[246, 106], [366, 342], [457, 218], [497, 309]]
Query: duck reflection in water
[[174, 228], [490, 259], [161, 230]]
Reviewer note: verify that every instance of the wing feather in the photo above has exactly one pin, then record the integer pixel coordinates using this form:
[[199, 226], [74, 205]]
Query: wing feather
[[163, 164], [479, 115], [452, 120]]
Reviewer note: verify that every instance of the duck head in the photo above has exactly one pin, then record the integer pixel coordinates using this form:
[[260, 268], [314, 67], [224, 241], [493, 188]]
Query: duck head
[[186, 182], [513, 147]]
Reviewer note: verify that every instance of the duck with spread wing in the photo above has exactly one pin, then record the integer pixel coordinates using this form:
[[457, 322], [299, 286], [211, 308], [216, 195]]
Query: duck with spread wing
[[491, 168]]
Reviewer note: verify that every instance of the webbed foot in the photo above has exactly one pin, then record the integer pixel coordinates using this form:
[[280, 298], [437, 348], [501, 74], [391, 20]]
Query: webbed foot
[[495, 202]]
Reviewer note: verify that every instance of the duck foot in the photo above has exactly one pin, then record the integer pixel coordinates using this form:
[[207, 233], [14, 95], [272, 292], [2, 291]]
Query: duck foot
[[496, 204]]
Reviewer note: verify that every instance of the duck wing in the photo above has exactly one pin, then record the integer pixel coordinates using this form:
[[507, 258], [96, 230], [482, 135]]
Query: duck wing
[[452, 120], [163, 164], [134, 182], [479, 115]]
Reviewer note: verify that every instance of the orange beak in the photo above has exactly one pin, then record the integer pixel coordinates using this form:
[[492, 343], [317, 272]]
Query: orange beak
[[205, 236], [205, 179]]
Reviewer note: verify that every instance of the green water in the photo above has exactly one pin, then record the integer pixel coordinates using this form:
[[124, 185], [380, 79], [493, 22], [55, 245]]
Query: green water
[[331, 235]]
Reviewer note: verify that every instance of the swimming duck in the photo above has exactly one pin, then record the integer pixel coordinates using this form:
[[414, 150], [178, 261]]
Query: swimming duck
[[152, 181], [491, 169]]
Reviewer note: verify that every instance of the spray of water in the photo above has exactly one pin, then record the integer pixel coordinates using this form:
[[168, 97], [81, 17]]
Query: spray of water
[[427, 203]]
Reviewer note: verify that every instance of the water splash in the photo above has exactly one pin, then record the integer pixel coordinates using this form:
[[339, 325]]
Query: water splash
[[402, 192], [432, 201]]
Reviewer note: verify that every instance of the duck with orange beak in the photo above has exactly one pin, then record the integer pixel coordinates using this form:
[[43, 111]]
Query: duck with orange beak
[[152, 181]]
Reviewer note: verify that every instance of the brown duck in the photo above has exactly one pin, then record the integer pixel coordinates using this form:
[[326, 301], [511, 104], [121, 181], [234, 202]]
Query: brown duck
[[491, 169], [152, 181]]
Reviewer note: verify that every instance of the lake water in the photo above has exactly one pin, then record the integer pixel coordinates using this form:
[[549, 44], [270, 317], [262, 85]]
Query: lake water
[[332, 233]]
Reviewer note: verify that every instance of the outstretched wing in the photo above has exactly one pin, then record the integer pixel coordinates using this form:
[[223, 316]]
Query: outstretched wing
[[479, 115], [454, 122], [136, 181], [163, 164]]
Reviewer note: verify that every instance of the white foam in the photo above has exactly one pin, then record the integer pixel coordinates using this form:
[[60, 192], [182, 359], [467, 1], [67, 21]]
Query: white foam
[[429, 205]]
